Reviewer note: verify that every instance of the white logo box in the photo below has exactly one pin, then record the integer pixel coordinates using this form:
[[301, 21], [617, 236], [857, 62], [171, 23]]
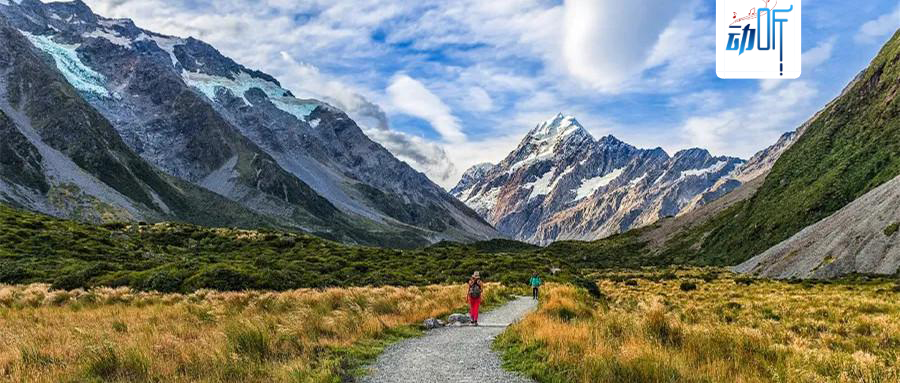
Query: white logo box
[[756, 63]]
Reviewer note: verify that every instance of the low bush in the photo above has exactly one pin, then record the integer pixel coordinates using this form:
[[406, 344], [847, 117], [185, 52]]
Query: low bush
[[687, 286]]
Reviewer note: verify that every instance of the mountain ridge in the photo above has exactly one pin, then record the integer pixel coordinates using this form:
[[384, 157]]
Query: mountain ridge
[[561, 183]]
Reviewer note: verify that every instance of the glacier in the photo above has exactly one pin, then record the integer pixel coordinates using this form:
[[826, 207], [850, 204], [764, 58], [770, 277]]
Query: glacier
[[73, 69], [208, 85]]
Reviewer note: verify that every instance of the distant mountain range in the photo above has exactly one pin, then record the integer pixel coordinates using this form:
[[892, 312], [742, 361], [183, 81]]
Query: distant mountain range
[[102, 120], [560, 183]]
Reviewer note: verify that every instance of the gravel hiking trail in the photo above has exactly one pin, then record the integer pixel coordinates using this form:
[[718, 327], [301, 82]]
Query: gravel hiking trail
[[457, 354]]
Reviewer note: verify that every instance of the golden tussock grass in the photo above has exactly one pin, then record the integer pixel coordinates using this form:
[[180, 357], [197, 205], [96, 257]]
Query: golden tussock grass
[[107, 334], [654, 331]]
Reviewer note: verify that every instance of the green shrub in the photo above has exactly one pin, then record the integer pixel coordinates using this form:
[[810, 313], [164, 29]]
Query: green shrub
[[12, 274], [688, 286], [663, 329], [709, 276], [590, 286], [249, 341], [108, 365], [69, 281], [164, 282], [33, 357], [119, 326], [227, 278], [768, 313], [891, 229]]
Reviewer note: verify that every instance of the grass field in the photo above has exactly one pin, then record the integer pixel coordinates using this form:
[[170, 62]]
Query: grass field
[[119, 335], [705, 325]]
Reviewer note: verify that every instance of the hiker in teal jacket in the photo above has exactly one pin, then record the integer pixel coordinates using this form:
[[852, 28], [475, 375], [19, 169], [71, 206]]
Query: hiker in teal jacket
[[535, 282]]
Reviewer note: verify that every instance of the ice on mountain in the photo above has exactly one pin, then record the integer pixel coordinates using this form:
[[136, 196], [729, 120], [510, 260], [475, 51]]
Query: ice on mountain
[[243, 82], [298, 108], [70, 65], [590, 185]]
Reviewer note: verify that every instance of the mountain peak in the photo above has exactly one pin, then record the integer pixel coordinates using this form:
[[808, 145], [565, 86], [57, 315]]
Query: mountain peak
[[559, 126], [477, 170], [609, 139]]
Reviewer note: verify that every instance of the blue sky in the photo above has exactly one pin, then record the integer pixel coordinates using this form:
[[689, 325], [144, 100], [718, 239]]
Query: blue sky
[[448, 84]]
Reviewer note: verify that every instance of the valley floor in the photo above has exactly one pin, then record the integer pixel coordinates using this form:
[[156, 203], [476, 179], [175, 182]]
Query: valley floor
[[652, 325]]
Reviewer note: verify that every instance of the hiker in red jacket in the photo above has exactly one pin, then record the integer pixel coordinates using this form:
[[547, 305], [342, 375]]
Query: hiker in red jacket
[[476, 288]]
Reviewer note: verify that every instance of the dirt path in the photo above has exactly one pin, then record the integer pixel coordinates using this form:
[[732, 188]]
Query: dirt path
[[452, 354]]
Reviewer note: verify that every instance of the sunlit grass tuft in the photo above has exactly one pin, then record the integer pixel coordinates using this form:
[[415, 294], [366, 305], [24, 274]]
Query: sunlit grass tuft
[[649, 328], [121, 335]]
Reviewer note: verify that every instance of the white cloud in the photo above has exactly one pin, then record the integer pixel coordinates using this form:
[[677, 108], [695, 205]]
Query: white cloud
[[423, 155], [479, 100], [608, 43], [874, 30], [814, 57], [410, 96], [755, 123]]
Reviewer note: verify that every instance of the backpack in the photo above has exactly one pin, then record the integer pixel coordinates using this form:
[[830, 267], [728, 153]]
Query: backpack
[[475, 290]]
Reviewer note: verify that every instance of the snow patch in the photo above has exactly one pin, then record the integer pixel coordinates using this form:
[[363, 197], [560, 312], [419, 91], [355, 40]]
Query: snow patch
[[590, 185], [636, 180], [167, 44], [70, 65], [542, 186], [100, 33], [485, 202], [699, 172]]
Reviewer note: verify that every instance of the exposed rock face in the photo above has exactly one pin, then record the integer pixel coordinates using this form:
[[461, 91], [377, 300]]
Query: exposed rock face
[[862, 237], [561, 183], [758, 166], [201, 117]]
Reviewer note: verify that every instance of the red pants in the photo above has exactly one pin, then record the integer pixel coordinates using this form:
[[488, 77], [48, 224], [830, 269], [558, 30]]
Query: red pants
[[473, 308]]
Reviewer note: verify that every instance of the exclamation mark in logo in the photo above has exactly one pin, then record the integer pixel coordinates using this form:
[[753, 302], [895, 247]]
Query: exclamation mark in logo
[[780, 23]]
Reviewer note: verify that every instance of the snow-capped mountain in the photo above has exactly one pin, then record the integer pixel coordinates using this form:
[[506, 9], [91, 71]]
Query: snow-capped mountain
[[201, 117], [561, 183]]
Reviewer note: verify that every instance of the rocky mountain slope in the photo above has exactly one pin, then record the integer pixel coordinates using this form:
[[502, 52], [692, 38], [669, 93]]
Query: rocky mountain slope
[[846, 150], [60, 156], [203, 118], [862, 237], [561, 183]]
